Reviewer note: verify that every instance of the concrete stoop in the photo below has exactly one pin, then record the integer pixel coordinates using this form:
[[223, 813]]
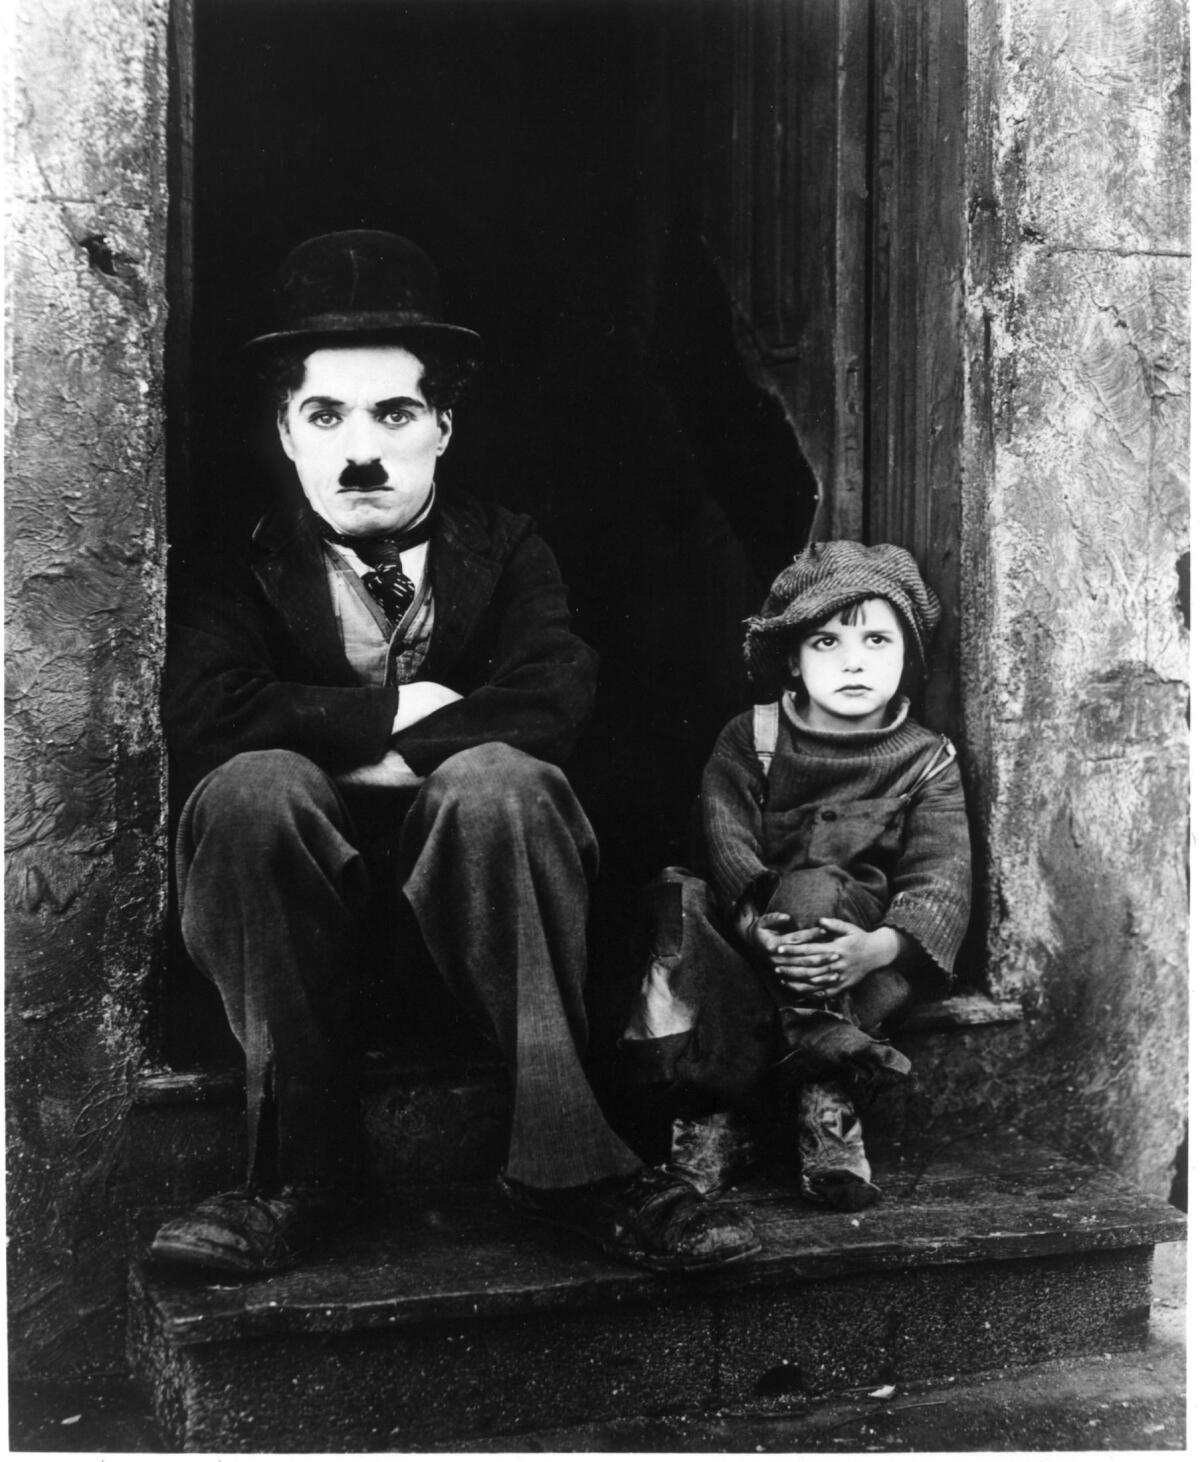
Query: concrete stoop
[[425, 1122], [448, 1320]]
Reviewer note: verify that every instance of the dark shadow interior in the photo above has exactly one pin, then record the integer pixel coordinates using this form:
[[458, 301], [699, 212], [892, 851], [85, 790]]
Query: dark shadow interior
[[554, 172]]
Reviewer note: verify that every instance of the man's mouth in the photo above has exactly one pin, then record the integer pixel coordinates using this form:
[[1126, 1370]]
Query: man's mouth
[[359, 491]]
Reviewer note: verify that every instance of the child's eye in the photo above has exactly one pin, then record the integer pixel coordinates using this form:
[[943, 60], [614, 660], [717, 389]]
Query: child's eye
[[822, 642]]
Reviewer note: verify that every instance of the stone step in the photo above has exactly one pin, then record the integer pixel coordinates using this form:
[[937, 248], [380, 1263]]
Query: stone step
[[425, 1122], [440, 1119], [448, 1320]]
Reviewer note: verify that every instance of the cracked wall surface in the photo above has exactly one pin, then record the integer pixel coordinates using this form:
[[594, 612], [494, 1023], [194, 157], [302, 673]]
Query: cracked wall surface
[[1075, 522], [85, 874]]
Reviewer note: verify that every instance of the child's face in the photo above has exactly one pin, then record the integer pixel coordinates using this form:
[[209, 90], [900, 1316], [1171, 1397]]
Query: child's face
[[851, 671]]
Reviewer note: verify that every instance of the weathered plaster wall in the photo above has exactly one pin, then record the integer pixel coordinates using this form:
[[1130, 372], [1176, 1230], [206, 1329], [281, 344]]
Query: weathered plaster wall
[[84, 585], [1075, 519]]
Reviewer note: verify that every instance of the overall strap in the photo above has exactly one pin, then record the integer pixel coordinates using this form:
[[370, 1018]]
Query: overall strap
[[942, 756], [766, 733]]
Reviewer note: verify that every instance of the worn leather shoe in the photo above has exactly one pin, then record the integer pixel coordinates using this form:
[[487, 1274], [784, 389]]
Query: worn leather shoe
[[652, 1218], [834, 1170], [253, 1233]]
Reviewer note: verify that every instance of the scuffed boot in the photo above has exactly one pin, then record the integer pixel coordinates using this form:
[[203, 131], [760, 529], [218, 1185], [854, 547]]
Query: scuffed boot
[[245, 1233], [710, 1152], [834, 1170], [651, 1217]]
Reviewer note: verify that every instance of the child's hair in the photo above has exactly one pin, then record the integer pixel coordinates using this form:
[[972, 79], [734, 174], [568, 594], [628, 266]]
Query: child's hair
[[851, 613]]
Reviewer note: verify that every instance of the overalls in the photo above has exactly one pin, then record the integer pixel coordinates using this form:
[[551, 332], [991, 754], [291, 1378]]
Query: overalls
[[710, 1031]]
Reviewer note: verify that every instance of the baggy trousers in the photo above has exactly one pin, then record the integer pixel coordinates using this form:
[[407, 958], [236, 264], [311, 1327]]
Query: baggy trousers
[[714, 1032], [278, 890]]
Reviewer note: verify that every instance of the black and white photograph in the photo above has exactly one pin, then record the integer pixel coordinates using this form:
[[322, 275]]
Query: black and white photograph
[[597, 747]]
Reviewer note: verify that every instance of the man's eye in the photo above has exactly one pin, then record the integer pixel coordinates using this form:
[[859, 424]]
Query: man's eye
[[399, 417], [323, 418]]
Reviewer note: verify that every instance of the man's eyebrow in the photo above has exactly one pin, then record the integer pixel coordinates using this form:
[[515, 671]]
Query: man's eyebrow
[[328, 403], [393, 402]]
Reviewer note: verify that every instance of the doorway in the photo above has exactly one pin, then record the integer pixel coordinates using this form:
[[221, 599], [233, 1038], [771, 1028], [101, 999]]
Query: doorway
[[660, 216]]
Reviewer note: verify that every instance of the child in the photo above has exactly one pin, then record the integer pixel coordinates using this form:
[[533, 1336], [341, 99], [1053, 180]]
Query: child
[[838, 863]]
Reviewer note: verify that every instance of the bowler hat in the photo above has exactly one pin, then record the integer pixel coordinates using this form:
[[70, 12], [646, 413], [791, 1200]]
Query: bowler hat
[[827, 577], [360, 284]]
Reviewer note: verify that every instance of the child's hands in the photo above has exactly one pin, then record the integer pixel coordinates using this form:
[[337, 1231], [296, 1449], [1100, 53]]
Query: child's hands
[[796, 956], [811, 962]]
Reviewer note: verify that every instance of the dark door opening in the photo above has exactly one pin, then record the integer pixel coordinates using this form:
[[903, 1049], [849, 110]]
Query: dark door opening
[[644, 209]]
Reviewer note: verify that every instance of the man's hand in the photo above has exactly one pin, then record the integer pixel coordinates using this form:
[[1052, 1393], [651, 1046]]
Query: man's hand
[[391, 770], [420, 698], [811, 962]]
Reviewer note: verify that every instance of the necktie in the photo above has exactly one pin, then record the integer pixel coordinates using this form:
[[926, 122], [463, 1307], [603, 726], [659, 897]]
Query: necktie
[[387, 583]]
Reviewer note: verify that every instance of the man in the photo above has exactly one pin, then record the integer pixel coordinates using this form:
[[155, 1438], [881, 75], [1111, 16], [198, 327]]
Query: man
[[372, 699]]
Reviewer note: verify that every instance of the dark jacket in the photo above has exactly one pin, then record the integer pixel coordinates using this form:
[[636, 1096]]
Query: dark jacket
[[255, 661]]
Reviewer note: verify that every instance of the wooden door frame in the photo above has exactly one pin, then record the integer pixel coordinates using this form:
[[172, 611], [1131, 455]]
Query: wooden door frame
[[785, 215], [835, 208], [913, 447]]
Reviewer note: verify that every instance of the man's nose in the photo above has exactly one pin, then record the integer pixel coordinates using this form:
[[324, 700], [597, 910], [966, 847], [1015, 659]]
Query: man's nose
[[359, 441]]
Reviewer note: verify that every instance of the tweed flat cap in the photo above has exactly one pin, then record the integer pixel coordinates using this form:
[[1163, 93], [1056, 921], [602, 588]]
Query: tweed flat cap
[[827, 577]]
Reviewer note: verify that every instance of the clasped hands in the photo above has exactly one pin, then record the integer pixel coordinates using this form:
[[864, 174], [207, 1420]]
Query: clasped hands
[[417, 699], [827, 959]]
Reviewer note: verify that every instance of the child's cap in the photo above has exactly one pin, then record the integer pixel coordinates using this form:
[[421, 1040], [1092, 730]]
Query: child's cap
[[827, 577]]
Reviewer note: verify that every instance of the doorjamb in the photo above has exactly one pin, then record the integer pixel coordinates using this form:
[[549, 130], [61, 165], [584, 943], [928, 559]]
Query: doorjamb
[[916, 392]]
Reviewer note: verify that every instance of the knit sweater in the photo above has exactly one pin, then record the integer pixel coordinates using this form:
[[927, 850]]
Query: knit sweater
[[841, 798]]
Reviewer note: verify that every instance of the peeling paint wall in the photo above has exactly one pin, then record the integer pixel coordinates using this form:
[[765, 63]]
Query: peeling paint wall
[[84, 582], [1075, 518]]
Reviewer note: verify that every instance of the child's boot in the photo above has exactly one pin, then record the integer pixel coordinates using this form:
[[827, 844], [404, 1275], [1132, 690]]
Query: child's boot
[[834, 1170], [710, 1152]]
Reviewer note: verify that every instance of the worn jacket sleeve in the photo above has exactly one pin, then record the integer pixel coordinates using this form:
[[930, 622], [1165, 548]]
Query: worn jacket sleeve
[[731, 816], [931, 883], [231, 685], [525, 678]]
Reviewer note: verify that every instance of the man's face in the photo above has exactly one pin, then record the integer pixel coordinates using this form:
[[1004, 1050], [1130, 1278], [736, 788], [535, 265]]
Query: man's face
[[363, 438], [851, 671]]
